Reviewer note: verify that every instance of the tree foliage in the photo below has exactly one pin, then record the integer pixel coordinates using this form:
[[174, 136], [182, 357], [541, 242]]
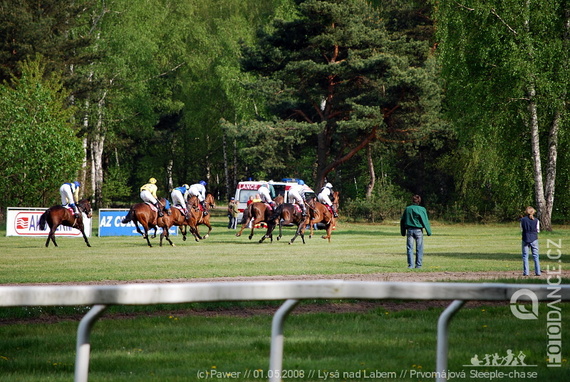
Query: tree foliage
[[40, 150], [506, 66], [337, 69]]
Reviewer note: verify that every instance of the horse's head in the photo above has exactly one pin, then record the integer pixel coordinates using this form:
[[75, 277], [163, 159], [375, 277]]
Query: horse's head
[[85, 207], [210, 201]]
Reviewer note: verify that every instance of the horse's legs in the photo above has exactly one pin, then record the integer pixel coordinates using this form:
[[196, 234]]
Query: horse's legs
[[300, 231], [166, 234], [145, 235], [312, 223], [245, 224], [253, 223], [85, 238], [209, 230], [51, 236], [268, 233], [138, 228]]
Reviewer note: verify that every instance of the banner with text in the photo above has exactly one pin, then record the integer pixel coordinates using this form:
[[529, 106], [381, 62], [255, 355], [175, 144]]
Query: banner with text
[[24, 221], [110, 224]]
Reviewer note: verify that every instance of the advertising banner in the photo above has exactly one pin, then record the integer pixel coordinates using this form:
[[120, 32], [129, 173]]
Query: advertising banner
[[110, 224], [23, 221]]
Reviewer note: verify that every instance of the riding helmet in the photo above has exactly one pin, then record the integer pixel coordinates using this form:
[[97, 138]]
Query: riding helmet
[[186, 186], [300, 182], [152, 180], [77, 184], [328, 185], [203, 183]]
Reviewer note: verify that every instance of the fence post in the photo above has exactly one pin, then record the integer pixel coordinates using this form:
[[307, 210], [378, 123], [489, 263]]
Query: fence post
[[442, 338], [83, 349], [276, 354]]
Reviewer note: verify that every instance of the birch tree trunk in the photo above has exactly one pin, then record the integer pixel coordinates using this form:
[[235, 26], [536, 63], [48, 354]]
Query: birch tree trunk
[[372, 173], [97, 145]]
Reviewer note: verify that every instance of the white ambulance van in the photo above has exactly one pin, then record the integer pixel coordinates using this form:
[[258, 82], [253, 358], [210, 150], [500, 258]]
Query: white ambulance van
[[246, 189]]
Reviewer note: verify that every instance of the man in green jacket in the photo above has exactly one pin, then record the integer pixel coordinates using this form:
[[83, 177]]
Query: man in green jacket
[[413, 220]]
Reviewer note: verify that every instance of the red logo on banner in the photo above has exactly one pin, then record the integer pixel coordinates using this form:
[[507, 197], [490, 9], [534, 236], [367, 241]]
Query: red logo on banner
[[22, 222]]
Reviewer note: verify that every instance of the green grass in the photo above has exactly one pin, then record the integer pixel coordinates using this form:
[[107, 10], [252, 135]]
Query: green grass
[[178, 343], [355, 248], [174, 347]]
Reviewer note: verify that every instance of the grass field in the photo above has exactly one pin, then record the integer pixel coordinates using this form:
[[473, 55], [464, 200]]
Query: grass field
[[192, 342], [355, 248]]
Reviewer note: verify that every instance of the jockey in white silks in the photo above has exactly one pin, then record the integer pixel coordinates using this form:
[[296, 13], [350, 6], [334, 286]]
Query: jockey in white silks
[[199, 190], [265, 194], [297, 194], [179, 195], [69, 195], [325, 198]]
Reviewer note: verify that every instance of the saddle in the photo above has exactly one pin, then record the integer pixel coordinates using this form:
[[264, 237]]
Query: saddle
[[268, 206], [70, 209], [179, 208], [152, 206]]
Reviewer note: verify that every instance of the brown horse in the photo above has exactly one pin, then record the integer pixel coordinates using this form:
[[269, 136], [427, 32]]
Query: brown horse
[[256, 213], [289, 214], [197, 217], [320, 213], [59, 215], [175, 218], [146, 216]]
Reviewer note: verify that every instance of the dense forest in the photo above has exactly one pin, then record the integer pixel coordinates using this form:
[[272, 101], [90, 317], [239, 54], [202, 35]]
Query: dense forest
[[464, 102]]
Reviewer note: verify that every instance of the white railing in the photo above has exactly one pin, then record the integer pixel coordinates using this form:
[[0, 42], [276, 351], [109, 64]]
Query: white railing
[[100, 296]]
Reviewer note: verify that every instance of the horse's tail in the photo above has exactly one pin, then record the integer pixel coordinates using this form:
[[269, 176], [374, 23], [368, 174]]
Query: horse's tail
[[128, 218], [43, 220]]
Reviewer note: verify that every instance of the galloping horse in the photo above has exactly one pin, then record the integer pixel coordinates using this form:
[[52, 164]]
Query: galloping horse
[[145, 215], [257, 212], [321, 213], [196, 215], [176, 218], [59, 215], [288, 214]]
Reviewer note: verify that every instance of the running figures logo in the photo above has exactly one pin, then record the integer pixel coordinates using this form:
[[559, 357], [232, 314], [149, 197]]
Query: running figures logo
[[510, 359]]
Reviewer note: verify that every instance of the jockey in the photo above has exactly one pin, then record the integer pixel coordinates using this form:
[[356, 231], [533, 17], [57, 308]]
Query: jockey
[[325, 198], [199, 190], [148, 195], [265, 194], [69, 194], [296, 192], [179, 195]]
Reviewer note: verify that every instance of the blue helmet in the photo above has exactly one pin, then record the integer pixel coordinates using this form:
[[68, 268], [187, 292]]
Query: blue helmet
[[203, 183], [300, 182], [77, 184]]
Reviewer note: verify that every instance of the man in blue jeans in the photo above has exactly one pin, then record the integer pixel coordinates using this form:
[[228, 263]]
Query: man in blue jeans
[[413, 220]]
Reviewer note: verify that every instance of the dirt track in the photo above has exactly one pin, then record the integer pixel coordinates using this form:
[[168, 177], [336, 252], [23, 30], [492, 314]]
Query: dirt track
[[410, 276]]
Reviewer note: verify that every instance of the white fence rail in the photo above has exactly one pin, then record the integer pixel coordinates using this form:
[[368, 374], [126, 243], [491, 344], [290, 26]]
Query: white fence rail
[[291, 291]]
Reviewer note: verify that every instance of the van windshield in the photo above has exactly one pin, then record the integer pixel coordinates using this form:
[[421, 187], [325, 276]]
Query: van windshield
[[244, 195]]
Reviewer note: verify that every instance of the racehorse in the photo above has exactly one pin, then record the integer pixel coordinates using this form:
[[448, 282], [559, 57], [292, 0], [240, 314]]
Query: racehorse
[[60, 215], [321, 213], [197, 217], [257, 212], [146, 216], [288, 214], [176, 218]]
